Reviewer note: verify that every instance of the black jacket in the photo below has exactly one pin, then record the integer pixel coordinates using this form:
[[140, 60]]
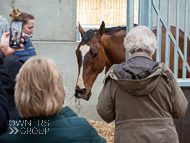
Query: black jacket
[[8, 72], [1, 57], [4, 116]]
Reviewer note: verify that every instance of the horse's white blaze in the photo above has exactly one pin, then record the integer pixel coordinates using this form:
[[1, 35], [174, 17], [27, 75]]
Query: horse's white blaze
[[84, 49]]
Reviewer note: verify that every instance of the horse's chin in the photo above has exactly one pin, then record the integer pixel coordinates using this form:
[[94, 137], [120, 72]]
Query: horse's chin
[[88, 95]]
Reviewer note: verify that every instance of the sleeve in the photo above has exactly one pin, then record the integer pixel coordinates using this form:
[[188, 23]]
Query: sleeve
[[106, 103], [12, 65], [180, 102], [95, 137], [4, 115], [1, 57]]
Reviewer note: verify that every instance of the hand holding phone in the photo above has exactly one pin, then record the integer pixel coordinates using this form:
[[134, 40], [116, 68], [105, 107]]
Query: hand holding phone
[[15, 34], [4, 44]]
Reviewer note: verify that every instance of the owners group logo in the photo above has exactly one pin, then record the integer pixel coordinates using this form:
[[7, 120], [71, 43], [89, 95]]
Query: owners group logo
[[29, 127]]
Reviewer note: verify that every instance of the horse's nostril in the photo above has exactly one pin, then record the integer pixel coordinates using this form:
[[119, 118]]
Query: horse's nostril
[[82, 91]]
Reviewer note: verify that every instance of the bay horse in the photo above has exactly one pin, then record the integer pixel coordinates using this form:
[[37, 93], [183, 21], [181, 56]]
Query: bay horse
[[104, 47]]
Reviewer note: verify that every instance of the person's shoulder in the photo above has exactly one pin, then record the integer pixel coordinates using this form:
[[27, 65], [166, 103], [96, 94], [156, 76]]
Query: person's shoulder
[[12, 61], [70, 115], [110, 73], [2, 17], [3, 20], [12, 58], [166, 71], [67, 112]]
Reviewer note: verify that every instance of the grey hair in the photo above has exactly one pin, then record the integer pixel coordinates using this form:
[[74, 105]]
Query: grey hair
[[140, 38]]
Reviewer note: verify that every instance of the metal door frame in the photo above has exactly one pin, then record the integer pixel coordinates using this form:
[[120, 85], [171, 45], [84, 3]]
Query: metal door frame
[[145, 17]]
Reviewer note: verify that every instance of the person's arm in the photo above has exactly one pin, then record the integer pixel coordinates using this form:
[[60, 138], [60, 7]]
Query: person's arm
[[180, 102], [95, 137], [4, 114], [1, 57], [106, 103], [4, 46]]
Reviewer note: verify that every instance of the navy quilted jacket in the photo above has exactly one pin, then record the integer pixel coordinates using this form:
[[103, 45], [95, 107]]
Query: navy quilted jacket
[[26, 52]]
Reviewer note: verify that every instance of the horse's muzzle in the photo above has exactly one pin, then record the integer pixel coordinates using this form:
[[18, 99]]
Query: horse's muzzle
[[82, 94]]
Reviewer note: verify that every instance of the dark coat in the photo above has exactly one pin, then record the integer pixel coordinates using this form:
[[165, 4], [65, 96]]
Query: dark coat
[[66, 127], [143, 97], [4, 116], [1, 57], [8, 71]]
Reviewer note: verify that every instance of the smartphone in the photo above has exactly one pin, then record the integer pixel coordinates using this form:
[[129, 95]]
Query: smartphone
[[15, 34]]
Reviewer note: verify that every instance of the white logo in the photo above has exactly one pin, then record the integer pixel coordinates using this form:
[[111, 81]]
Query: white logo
[[12, 130], [29, 126]]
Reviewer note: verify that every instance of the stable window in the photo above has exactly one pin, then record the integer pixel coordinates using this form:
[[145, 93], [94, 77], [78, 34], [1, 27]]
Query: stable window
[[112, 12], [91, 13]]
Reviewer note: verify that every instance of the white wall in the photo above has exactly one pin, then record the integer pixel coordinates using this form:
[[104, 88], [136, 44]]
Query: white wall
[[55, 20]]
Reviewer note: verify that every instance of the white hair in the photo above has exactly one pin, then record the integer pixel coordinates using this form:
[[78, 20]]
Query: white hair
[[140, 38]]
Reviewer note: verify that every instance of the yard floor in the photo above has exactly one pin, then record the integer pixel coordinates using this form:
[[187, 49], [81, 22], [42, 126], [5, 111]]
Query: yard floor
[[104, 129]]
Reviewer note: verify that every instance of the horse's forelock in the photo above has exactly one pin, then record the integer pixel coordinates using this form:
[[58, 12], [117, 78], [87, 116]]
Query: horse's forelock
[[88, 35]]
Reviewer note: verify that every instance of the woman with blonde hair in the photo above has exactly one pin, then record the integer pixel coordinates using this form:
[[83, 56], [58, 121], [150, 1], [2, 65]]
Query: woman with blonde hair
[[28, 29], [142, 95], [40, 100]]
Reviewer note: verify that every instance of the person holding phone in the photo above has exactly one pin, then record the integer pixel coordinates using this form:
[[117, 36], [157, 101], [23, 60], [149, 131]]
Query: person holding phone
[[4, 51], [11, 66], [28, 29]]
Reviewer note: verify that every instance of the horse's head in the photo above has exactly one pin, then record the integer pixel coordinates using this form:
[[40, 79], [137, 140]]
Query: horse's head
[[91, 60]]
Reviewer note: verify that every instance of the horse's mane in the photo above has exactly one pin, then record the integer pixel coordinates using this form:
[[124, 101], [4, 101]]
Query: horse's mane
[[112, 30], [88, 35]]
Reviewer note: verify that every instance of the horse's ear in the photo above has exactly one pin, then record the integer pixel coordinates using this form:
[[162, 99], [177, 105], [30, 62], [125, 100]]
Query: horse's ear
[[101, 30], [81, 30]]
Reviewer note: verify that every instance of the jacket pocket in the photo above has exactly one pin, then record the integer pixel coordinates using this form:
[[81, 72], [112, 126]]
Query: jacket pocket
[[141, 131]]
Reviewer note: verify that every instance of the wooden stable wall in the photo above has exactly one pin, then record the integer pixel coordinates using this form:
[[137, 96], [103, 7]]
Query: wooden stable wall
[[112, 12]]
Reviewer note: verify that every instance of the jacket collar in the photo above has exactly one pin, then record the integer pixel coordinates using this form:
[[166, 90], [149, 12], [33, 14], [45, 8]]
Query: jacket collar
[[141, 54]]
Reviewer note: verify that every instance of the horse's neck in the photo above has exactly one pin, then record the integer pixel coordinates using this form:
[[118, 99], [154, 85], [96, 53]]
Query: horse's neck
[[115, 52]]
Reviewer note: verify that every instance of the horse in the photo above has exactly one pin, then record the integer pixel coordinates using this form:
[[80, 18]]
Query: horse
[[104, 47], [181, 45]]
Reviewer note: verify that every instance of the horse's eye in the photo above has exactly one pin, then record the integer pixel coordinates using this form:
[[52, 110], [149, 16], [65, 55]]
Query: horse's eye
[[95, 55]]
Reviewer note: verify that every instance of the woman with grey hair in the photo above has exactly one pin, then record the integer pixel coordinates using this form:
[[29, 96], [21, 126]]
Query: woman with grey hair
[[142, 96]]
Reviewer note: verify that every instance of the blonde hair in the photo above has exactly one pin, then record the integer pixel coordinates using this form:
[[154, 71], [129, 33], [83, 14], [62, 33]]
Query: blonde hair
[[39, 89], [140, 38], [20, 16]]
